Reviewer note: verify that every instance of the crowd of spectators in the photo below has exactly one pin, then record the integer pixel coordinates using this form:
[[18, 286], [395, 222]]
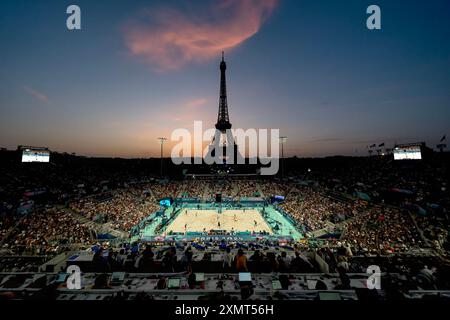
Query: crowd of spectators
[[165, 189], [383, 230], [435, 228], [192, 189], [260, 256], [313, 209], [247, 188], [372, 226], [226, 188], [275, 188], [427, 180], [48, 231], [267, 257], [125, 209]]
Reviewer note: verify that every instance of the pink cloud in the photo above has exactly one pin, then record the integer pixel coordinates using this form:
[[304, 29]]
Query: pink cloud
[[196, 102], [188, 111], [168, 38], [36, 94]]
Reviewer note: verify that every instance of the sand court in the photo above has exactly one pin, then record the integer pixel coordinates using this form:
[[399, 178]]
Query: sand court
[[229, 220]]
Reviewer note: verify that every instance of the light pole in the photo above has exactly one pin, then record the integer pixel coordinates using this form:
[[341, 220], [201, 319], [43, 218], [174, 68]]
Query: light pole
[[282, 140], [162, 140]]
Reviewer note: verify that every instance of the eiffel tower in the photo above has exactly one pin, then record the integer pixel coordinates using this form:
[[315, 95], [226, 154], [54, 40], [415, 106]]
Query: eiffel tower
[[223, 141], [223, 119]]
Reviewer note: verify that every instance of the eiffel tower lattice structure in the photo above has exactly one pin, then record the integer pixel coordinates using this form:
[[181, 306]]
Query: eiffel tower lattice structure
[[223, 141]]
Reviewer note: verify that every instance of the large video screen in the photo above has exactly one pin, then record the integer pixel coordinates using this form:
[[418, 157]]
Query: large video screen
[[31, 155], [407, 153]]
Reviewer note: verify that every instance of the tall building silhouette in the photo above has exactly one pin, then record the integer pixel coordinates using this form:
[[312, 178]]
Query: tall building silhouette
[[223, 141], [223, 119]]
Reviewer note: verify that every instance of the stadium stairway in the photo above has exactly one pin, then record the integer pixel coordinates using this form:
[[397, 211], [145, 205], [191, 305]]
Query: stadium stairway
[[258, 187], [292, 192], [341, 224], [182, 191], [152, 195], [99, 228], [339, 197], [422, 236], [10, 230], [235, 191], [206, 192]]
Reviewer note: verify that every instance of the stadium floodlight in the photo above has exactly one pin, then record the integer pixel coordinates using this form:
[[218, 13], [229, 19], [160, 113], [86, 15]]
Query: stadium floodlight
[[161, 141], [282, 141]]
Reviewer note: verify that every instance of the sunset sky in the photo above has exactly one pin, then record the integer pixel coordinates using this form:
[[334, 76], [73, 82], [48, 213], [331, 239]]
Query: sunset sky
[[140, 69]]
